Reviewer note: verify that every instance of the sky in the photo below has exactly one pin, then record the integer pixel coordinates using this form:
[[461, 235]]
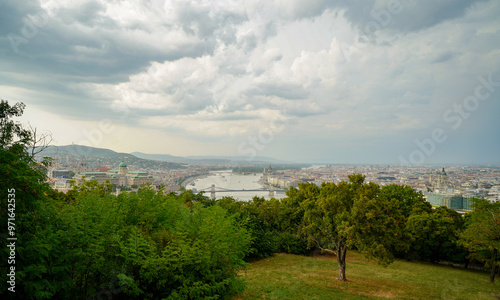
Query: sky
[[380, 82]]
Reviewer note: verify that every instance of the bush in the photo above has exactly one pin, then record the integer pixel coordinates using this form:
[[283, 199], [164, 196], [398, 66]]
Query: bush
[[142, 245], [290, 243]]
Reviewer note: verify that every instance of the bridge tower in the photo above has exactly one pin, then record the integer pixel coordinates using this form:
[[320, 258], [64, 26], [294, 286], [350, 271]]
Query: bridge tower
[[271, 191], [212, 192]]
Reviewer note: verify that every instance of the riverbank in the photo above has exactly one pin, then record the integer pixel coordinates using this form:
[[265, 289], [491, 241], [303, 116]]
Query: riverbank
[[192, 179]]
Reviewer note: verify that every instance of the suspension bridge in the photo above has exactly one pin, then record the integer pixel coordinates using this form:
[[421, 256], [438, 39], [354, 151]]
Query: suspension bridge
[[213, 189]]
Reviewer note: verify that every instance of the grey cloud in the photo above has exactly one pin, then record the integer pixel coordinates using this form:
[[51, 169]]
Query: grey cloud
[[204, 23], [414, 15], [303, 111], [303, 9], [283, 90], [441, 57], [111, 50], [12, 14], [425, 14], [405, 84], [86, 14]]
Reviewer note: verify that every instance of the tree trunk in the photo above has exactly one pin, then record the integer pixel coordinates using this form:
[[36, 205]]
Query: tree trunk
[[341, 251], [493, 265]]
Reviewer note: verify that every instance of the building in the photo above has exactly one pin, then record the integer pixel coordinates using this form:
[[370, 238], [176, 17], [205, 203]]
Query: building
[[120, 177], [101, 169], [450, 200], [62, 184], [59, 173], [442, 182]]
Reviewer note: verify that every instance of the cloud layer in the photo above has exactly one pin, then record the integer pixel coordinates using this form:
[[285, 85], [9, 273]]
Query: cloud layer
[[347, 81]]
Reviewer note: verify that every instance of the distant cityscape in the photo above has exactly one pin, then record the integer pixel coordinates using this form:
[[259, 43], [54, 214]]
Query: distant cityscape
[[450, 186]]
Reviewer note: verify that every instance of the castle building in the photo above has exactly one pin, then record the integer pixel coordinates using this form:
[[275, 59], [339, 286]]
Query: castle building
[[120, 177], [122, 168]]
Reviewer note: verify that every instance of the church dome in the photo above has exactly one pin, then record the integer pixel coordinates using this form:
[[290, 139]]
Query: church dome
[[123, 165]]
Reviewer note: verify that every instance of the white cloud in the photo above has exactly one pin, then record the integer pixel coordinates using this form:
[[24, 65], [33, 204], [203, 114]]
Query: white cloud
[[219, 69], [391, 82]]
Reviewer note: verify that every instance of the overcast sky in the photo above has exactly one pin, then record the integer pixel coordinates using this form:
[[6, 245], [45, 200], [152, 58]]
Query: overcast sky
[[402, 82]]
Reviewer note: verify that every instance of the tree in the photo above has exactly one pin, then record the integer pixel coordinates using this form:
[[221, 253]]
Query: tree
[[86, 243], [482, 233], [434, 234], [406, 196], [18, 169], [409, 202], [350, 214], [38, 141], [24, 179], [12, 132]]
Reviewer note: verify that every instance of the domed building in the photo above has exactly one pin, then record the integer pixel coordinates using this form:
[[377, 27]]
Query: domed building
[[120, 177], [269, 171], [442, 180], [122, 168]]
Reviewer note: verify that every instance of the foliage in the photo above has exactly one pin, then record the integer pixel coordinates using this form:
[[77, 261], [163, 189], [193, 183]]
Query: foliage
[[143, 245], [23, 178], [88, 243], [350, 215], [406, 198], [11, 132], [482, 233], [268, 224], [150, 245], [434, 235]]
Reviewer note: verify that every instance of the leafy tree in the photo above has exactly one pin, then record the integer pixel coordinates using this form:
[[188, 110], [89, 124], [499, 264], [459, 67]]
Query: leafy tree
[[141, 245], [268, 222], [409, 202], [408, 199], [22, 176], [292, 212], [11, 132], [434, 235], [482, 233], [350, 215]]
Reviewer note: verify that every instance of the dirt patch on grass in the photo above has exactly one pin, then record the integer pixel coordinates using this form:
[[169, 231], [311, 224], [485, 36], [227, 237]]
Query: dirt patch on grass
[[379, 288], [352, 256], [322, 254]]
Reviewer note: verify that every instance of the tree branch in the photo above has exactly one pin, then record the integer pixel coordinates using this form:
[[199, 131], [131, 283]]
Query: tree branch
[[38, 143]]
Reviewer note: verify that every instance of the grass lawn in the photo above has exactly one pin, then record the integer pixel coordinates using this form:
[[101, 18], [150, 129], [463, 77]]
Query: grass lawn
[[287, 276]]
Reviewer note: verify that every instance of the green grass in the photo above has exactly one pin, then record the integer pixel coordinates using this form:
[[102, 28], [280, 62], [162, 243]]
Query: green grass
[[287, 276]]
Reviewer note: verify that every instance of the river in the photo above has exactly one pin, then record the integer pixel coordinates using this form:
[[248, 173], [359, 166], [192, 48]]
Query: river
[[226, 179]]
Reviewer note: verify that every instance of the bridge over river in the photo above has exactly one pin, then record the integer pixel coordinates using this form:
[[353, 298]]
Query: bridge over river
[[213, 189]]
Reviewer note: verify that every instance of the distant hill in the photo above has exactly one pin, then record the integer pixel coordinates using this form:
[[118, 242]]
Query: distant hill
[[210, 159], [103, 153], [94, 156], [80, 150], [162, 157]]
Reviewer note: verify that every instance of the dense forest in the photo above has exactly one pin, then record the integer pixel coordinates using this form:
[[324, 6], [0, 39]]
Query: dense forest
[[91, 244]]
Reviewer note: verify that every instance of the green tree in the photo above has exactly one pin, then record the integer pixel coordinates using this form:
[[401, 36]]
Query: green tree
[[350, 215], [482, 233], [434, 234], [77, 245], [12, 132], [409, 202], [22, 178], [408, 199]]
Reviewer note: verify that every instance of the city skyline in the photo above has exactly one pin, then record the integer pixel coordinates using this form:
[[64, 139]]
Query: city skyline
[[310, 81]]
